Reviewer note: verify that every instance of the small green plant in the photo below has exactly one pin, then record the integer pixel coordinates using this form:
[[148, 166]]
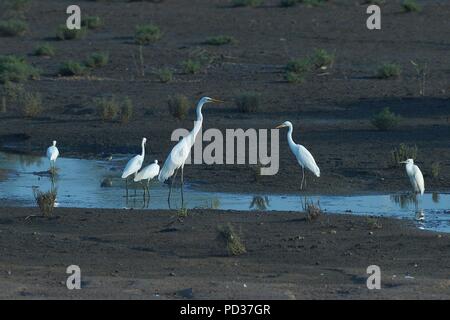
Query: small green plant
[[389, 70], [16, 69], [299, 65], [63, 33], [373, 223], [220, 40], [97, 60], [31, 104], [435, 169], [293, 77], [182, 213], [321, 59], [45, 201], [13, 91], [126, 112], [385, 120], [92, 22], [312, 210], [231, 239], [411, 6], [44, 50], [13, 27], [146, 34], [72, 68], [191, 66], [421, 72], [165, 75], [297, 69], [288, 3], [179, 106], [248, 102], [402, 153], [247, 3], [107, 108]]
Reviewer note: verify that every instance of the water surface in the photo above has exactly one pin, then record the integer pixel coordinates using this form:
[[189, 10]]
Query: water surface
[[97, 184]]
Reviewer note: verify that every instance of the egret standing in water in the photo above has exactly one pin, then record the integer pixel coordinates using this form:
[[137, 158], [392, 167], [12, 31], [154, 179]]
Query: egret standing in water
[[415, 176], [52, 155], [180, 152], [304, 157], [147, 173], [134, 164]]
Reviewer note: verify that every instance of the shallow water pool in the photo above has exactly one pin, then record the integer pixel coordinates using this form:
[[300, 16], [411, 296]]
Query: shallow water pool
[[97, 184]]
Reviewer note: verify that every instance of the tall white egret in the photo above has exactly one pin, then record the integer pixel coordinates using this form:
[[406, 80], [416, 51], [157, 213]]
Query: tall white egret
[[52, 154], [304, 157], [147, 173], [180, 152], [415, 176], [134, 164]]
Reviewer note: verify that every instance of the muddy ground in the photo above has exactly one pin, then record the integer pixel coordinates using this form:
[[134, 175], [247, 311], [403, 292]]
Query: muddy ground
[[331, 112], [151, 255]]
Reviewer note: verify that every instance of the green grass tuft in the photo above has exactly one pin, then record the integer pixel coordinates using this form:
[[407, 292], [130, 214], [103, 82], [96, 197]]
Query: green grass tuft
[[146, 34], [97, 60], [13, 27], [164, 75], [231, 239], [44, 50], [385, 120], [389, 70], [411, 6], [92, 22], [72, 68], [248, 102], [179, 106], [63, 33], [220, 40], [16, 69]]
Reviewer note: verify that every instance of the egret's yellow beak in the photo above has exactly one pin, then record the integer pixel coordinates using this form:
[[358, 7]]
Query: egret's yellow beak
[[280, 126], [402, 162], [217, 101]]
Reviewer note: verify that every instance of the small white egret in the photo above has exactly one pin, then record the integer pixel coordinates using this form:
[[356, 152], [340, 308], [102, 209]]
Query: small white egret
[[52, 154], [147, 173], [415, 176], [304, 157], [180, 152], [134, 164]]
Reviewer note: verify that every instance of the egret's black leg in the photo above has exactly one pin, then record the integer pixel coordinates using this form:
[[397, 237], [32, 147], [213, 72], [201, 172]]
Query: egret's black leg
[[303, 177], [182, 183], [172, 180]]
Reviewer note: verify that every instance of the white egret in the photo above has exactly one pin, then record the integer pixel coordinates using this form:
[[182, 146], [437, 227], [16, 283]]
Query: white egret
[[180, 152], [134, 164], [52, 154], [415, 176], [304, 157], [147, 173]]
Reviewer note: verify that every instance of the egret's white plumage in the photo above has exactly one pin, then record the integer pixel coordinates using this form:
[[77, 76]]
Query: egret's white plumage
[[52, 152], [148, 172], [179, 154], [415, 176], [304, 157], [135, 163]]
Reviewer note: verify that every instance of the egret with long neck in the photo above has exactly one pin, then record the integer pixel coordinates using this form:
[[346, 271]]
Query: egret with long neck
[[134, 165], [180, 152], [415, 176], [304, 157]]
